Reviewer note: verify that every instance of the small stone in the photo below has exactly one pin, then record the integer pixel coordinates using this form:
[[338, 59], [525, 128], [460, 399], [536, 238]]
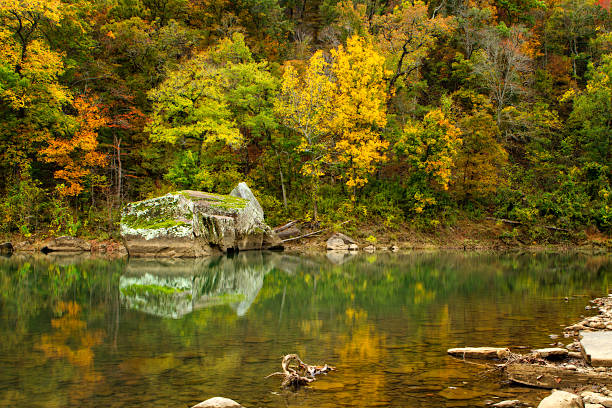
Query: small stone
[[370, 248], [394, 248], [561, 399], [353, 247], [571, 367], [218, 402], [574, 354]]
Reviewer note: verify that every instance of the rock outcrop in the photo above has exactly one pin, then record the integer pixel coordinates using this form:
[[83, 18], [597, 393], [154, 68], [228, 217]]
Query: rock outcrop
[[194, 223], [66, 244]]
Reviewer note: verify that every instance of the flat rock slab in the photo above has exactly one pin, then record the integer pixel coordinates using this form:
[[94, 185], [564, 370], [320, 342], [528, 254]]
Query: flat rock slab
[[551, 353], [597, 348], [479, 352]]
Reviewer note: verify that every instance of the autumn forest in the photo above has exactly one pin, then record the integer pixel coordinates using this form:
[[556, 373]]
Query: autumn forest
[[383, 112]]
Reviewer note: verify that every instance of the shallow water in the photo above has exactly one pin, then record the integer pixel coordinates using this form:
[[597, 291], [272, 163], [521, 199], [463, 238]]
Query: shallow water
[[93, 332]]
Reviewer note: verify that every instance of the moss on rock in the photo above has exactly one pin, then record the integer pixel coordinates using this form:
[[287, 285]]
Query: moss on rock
[[198, 219]]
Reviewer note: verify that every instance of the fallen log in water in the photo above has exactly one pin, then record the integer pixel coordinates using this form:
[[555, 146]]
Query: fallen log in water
[[551, 376], [296, 373]]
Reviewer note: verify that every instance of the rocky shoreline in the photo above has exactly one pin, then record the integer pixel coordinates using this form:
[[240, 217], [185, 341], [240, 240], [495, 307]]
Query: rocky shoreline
[[579, 373], [300, 237]]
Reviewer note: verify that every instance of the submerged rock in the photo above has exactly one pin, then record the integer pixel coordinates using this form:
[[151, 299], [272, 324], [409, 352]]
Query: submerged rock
[[194, 223], [561, 399], [218, 402], [66, 244]]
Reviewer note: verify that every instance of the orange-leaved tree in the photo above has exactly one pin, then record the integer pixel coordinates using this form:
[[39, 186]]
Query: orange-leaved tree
[[77, 154]]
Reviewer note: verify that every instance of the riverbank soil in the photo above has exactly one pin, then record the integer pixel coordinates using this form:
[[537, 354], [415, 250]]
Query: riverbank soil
[[486, 234], [465, 234]]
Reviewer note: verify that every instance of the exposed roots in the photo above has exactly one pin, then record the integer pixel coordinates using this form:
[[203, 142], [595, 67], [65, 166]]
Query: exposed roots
[[297, 373]]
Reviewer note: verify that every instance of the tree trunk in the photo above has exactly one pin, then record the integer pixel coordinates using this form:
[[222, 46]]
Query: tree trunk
[[119, 170], [282, 179]]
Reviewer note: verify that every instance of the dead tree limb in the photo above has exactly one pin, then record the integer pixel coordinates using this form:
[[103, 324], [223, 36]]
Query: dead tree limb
[[311, 233], [511, 222], [286, 226], [297, 373]]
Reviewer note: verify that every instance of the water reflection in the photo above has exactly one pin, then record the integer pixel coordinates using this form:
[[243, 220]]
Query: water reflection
[[174, 288], [93, 332]]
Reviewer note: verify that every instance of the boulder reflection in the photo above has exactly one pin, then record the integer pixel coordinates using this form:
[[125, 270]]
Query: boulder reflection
[[175, 288]]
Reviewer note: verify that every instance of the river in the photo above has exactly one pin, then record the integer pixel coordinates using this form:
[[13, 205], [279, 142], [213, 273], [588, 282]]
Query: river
[[87, 332]]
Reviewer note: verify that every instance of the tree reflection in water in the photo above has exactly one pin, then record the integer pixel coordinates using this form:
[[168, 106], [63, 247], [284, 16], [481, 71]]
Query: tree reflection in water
[[95, 332]]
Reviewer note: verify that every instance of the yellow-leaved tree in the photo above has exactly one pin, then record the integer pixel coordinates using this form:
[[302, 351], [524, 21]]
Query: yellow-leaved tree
[[360, 112], [31, 96], [305, 106], [339, 110]]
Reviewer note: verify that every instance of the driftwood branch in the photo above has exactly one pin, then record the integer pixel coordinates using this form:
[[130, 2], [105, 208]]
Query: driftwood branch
[[286, 226], [512, 222], [296, 373], [311, 233]]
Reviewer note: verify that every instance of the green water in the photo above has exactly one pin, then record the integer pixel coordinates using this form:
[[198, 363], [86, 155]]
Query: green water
[[79, 332]]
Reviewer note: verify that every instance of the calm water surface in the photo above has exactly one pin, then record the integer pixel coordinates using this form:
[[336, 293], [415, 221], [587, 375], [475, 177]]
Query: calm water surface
[[78, 332]]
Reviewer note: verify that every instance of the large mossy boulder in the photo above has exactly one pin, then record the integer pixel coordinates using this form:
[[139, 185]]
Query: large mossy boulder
[[194, 223]]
